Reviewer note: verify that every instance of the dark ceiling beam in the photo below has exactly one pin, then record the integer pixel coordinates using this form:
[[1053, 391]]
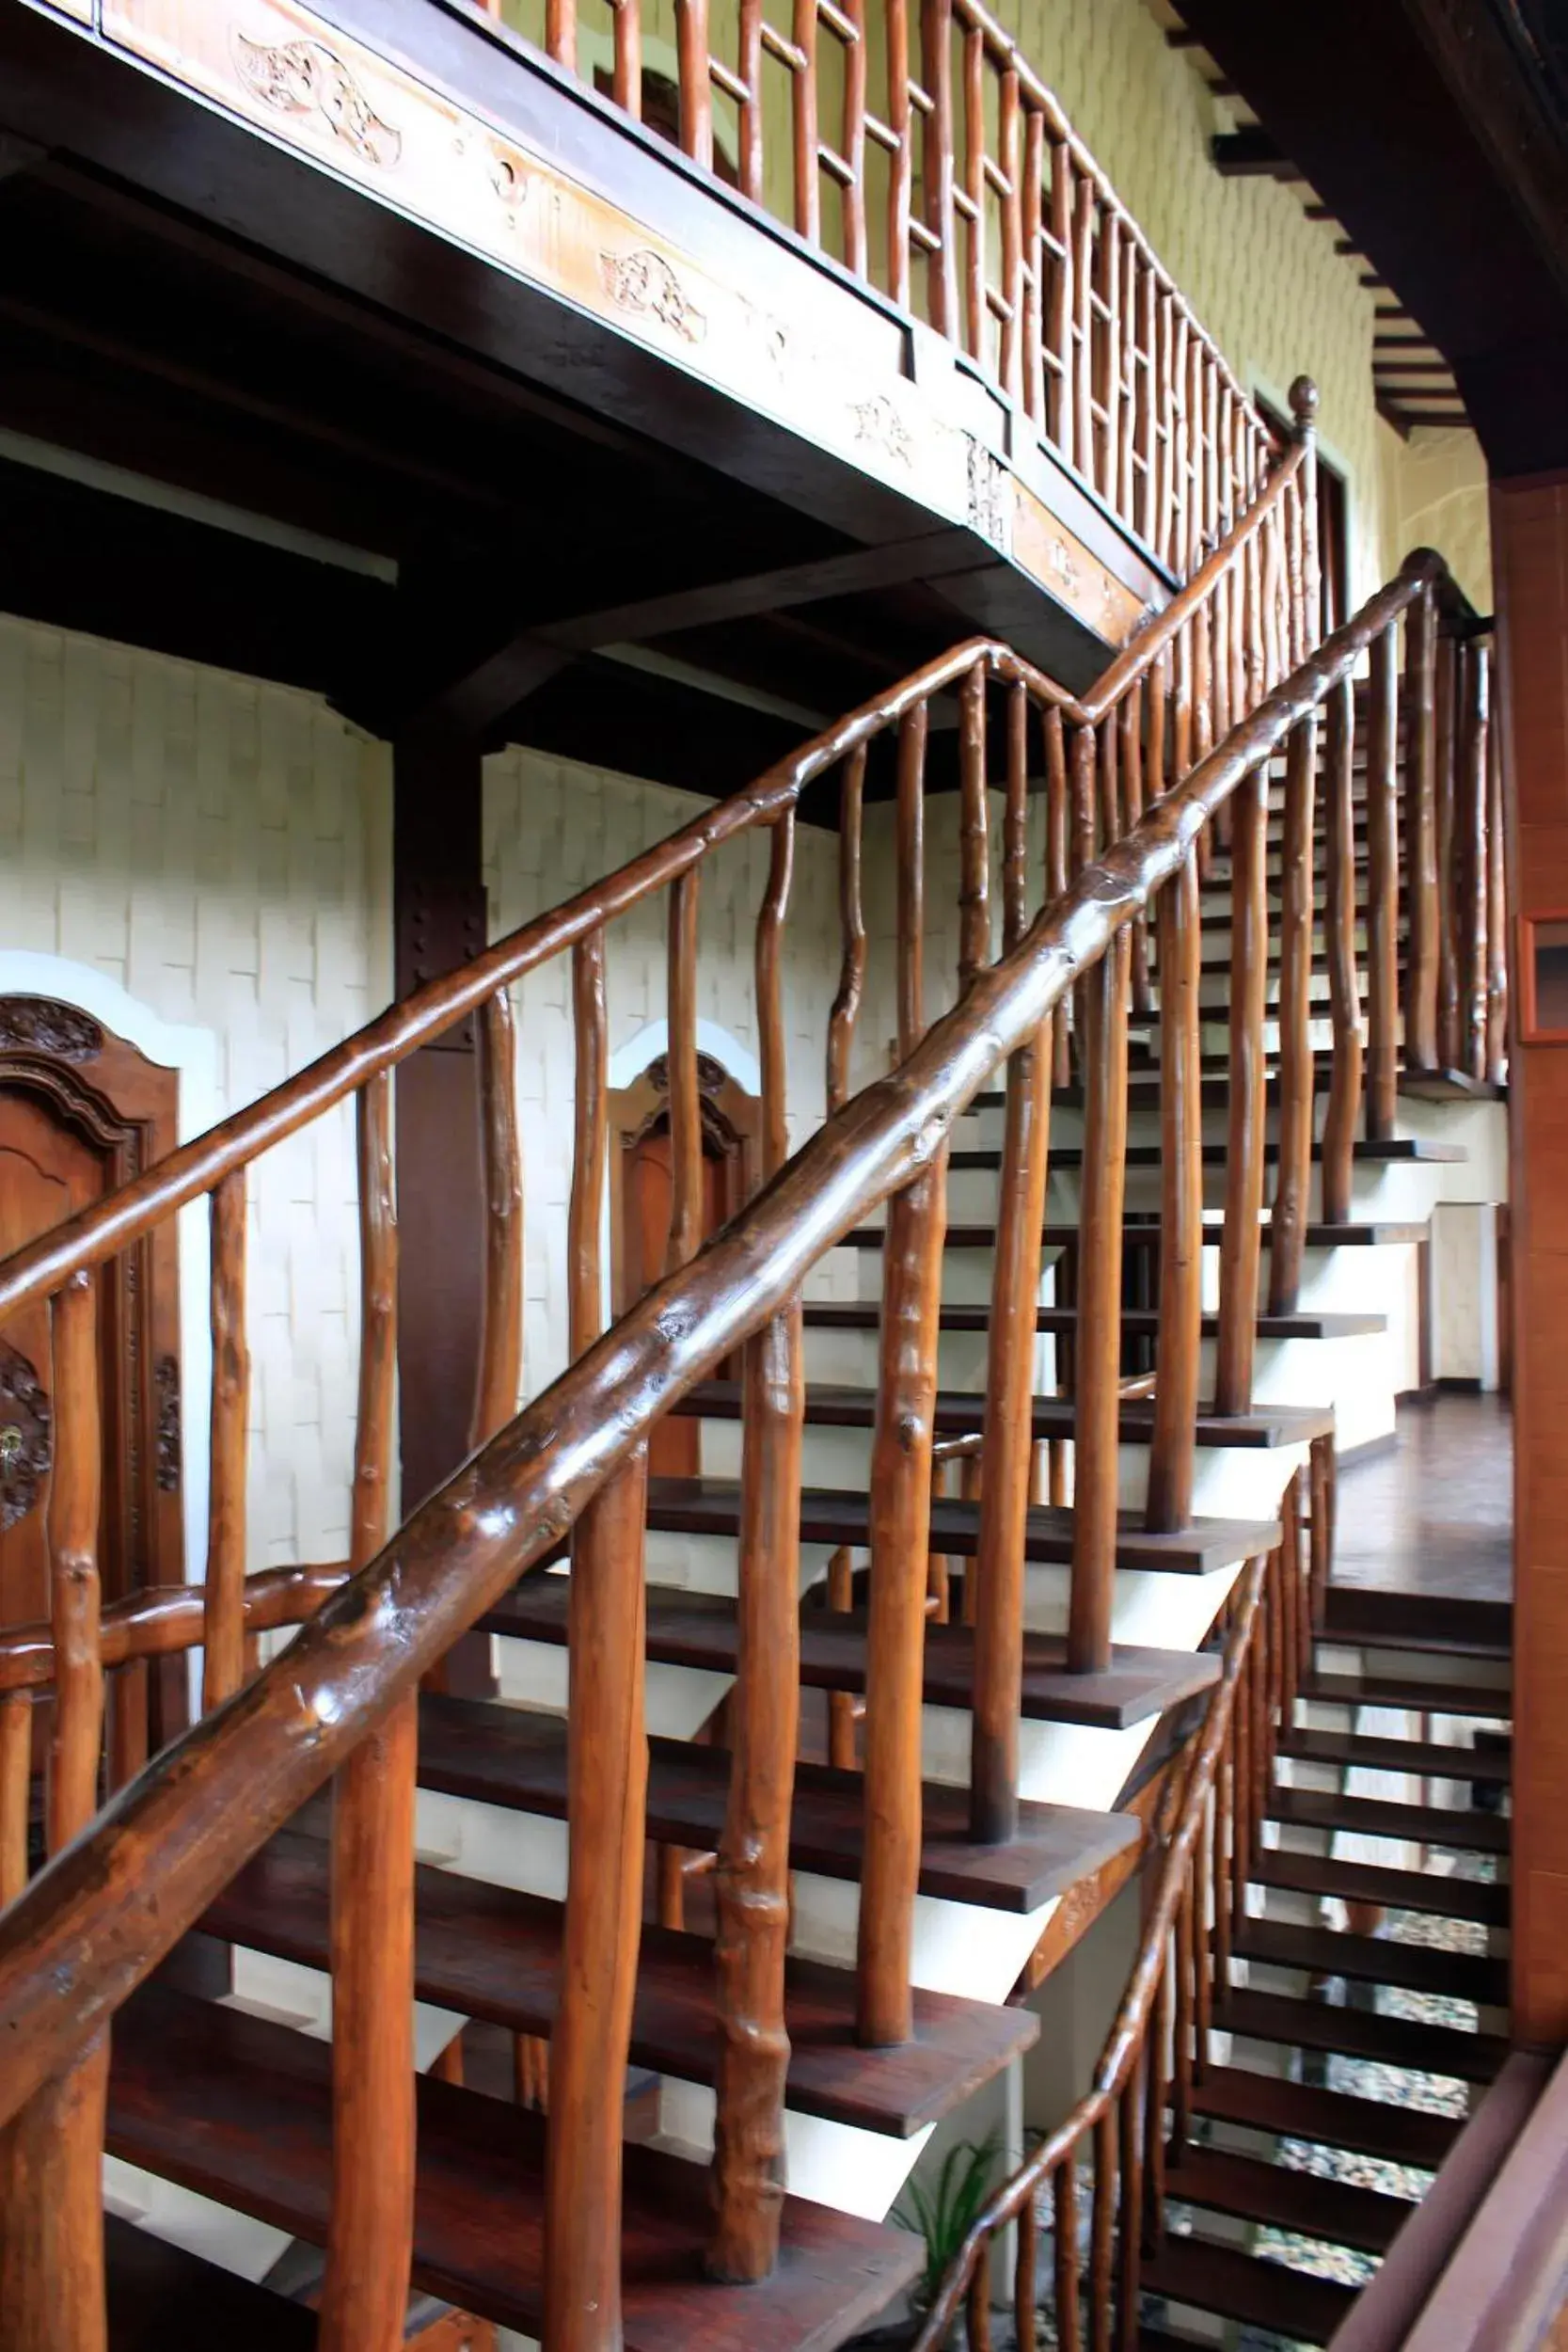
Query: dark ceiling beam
[[18, 154], [476, 702], [1250, 154]]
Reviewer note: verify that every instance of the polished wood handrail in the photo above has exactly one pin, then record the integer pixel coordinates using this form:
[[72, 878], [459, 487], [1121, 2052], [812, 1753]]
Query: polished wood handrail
[[94, 1918]]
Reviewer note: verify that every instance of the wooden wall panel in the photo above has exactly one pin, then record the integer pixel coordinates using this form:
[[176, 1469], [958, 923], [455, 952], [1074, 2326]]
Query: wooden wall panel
[[1530, 544]]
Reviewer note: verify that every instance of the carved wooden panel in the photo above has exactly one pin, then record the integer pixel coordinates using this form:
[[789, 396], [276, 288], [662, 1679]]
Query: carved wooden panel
[[25, 1437]]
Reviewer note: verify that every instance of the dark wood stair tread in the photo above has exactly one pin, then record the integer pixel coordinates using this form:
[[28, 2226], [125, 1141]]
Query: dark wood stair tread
[[240, 2109], [1375, 1233], [1374, 1960], [1450, 1827], [1361, 2033], [838, 1404], [1427, 1891], [508, 1756], [1208, 2277], [699, 1630], [495, 1953], [1395, 1150], [1278, 2197], [837, 1514], [1426, 1695], [159, 2295], [1136, 1321], [1426, 1758], [1445, 1624], [1328, 2119]]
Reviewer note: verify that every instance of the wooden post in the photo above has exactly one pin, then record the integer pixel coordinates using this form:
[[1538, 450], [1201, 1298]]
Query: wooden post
[[1382, 888], [1420, 833], [1344, 989], [75, 1596], [1240, 1239], [223, 1664], [1172, 1452], [1098, 1344], [1297, 1070], [500, 1352], [1470, 858]]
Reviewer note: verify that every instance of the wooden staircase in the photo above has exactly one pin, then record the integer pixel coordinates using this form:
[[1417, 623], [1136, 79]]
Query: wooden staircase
[[818, 1551]]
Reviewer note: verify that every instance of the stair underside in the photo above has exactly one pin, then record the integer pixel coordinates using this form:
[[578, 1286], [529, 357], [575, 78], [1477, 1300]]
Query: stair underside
[[1491, 1701], [838, 1405], [491, 1952], [1374, 1960], [1279, 2197], [1136, 1321], [155, 2290], [700, 1629], [1424, 1757], [1206, 2276], [507, 1756], [838, 1515], [1360, 2033], [1456, 1828], [240, 2109], [1396, 1890], [1328, 2119]]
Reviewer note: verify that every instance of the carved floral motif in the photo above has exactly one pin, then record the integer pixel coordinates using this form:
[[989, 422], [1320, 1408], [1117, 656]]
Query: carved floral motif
[[711, 1075], [878, 421], [305, 77], [41, 1025], [25, 1437], [167, 1455], [989, 509], [644, 281]]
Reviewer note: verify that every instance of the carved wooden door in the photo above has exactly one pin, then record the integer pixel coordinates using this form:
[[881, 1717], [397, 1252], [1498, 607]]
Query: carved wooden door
[[647, 1184], [80, 1113]]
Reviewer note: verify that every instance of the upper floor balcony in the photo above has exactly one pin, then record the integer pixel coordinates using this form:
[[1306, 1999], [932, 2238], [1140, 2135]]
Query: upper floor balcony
[[849, 254]]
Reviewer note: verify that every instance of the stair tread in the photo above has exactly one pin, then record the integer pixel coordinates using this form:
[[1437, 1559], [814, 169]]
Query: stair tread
[[1279, 2197], [1262, 2294], [240, 2109], [1373, 1234], [495, 1953], [837, 1514], [700, 1629], [1402, 2042], [842, 1404], [1447, 1625], [1374, 1960], [508, 1756], [1428, 1891], [1459, 1827], [153, 2290], [1421, 1695], [1424, 1757], [1394, 1150], [1136, 1321], [1329, 2118]]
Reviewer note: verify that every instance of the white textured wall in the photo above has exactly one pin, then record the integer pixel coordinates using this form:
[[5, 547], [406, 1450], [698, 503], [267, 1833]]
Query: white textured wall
[[220, 849], [552, 825]]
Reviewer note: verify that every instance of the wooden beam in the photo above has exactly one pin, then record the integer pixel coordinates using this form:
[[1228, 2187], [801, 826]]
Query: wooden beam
[[475, 702], [1251, 153], [18, 154]]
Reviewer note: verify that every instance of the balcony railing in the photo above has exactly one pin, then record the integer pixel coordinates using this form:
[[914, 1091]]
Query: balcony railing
[[915, 146]]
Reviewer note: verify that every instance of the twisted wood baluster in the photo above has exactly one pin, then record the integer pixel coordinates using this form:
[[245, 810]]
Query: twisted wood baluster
[[1297, 1067], [1064, 2191], [936, 26], [1383, 884], [750, 111], [560, 32], [693, 66], [1241, 1238], [1173, 1451], [1056, 876], [607, 1768], [370, 2233], [1344, 987], [851, 985], [223, 1667], [901, 171], [501, 1344], [1129, 2110], [1102, 2230], [752, 1879], [1098, 1342], [998, 1572], [1420, 834]]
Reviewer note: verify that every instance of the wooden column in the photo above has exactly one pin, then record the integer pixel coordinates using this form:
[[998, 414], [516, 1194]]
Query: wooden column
[[1530, 526], [439, 922]]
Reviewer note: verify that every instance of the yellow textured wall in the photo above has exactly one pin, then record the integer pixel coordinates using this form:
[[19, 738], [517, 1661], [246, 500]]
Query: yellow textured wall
[[1436, 497]]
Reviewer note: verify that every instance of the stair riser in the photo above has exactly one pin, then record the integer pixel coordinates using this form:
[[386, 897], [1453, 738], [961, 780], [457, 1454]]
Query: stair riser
[[1338, 1366]]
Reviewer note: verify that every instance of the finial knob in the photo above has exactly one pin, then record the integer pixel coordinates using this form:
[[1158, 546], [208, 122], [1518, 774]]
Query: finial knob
[[1304, 405]]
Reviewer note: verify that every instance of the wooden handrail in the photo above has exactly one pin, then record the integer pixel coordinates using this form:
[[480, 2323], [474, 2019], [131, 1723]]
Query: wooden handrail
[[98, 1918]]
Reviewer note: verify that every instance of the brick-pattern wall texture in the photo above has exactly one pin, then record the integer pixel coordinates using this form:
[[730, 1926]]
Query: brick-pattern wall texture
[[220, 848]]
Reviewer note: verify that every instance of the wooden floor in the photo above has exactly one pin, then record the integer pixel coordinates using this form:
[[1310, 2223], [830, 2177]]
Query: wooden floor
[[1435, 1513]]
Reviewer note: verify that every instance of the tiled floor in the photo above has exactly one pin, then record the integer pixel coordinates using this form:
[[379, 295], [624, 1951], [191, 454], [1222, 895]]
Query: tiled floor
[[1436, 1514]]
